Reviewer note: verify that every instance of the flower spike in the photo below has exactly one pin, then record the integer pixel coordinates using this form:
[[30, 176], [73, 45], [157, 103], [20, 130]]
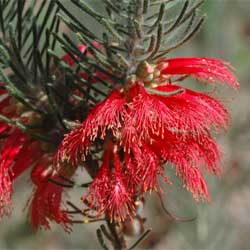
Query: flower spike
[[204, 69]]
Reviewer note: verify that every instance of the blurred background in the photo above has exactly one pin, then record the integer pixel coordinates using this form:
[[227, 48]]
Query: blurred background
[[222, 224]]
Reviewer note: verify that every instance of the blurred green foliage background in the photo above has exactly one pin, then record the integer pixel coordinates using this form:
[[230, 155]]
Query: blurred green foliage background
[[223, 224]]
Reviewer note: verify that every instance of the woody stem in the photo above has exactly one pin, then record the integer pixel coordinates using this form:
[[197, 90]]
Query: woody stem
[[119, 242], [136, 20]]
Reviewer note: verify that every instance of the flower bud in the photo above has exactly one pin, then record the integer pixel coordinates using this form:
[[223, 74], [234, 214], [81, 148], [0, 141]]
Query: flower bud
[[31, 118], [144, 69]]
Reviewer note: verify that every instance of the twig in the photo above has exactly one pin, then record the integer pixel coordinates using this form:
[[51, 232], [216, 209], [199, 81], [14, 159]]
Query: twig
[[119, 241], [172, 215], [142, 237]]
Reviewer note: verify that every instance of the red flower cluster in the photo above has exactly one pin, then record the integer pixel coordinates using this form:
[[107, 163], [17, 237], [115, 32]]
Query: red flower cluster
[[14, 147], [46, 203], [18, 153], [146, 124]]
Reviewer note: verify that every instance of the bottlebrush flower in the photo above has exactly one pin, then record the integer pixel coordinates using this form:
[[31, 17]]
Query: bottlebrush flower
[[12, 148], [153, 122], [46, 203], [15, 145], [110, 191], [204, 69], [18, 153]]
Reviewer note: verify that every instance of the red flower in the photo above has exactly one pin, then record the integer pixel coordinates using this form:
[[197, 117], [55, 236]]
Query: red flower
[[46, 203], [110, 192], [11, 150], [18, 153], [152, 124], [204, 69], [120, 204]]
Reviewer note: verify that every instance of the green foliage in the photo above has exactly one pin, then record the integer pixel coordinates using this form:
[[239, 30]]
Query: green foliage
[[132, 31]]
